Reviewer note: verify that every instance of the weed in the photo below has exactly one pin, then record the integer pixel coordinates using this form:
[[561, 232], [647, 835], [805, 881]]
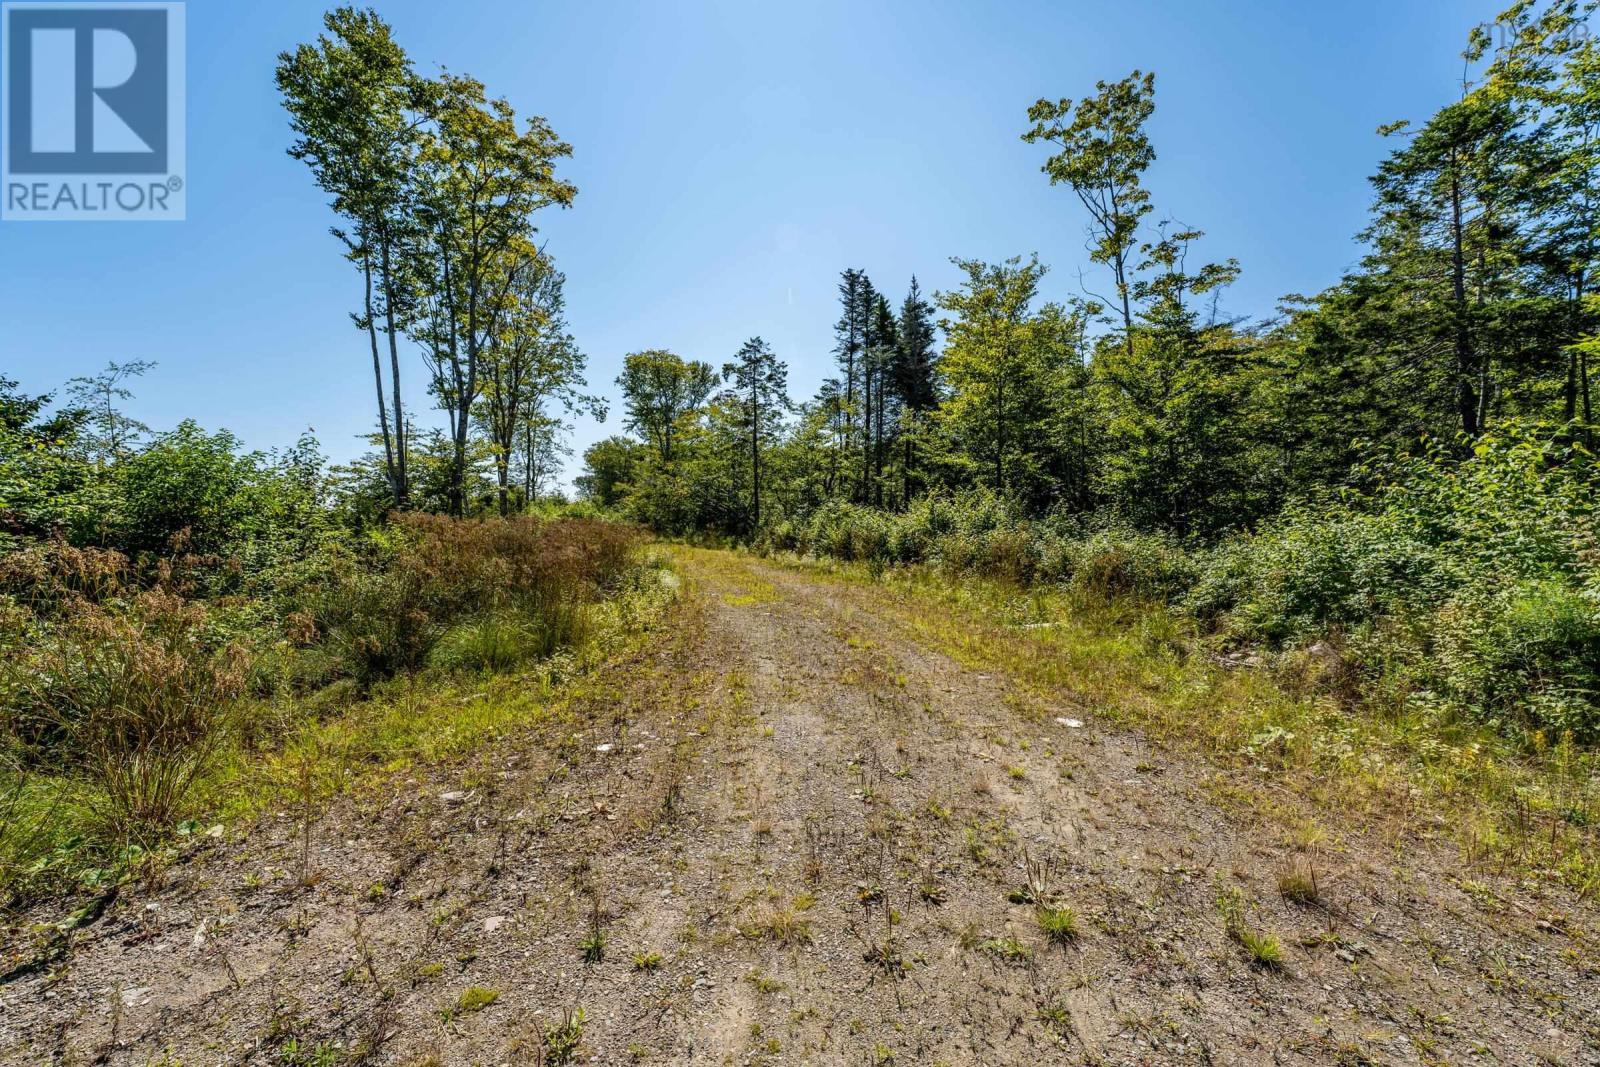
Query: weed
[[1262, 948], [786, 926], [1007, 948], [647, 961], [475, 998], [1059, 925], [594, 942], [561, 1040], [1297, 883], [1058, 1019], [764, 983]]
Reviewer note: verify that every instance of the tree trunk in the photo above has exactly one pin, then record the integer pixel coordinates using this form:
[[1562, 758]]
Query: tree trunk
[[404, 489], [389, 468], [1466, 371]]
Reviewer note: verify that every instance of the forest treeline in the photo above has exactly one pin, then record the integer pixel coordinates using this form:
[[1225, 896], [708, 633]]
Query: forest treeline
[[1401, 464]]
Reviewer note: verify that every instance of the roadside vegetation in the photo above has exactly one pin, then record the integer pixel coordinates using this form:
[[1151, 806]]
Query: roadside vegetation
[[147, 693]]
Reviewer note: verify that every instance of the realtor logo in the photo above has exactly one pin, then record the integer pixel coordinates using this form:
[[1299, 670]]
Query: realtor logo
[[92, 99]]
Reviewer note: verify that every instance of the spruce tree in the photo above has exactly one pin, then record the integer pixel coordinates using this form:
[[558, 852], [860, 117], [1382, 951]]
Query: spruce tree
[[760, 392]]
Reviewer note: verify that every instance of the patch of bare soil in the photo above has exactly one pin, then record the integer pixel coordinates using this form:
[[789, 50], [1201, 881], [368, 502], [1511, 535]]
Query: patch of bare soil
[[811, 840]]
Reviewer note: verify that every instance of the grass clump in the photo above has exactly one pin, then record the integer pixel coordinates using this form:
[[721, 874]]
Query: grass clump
[[475, 998], [1058, 924], [1263, 949], [1297, 883], [785, 925]]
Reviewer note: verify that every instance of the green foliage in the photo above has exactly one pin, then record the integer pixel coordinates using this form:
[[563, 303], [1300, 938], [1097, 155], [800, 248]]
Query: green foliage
[[1005, 364], [1470, 583], [125, 686], [196, 491]]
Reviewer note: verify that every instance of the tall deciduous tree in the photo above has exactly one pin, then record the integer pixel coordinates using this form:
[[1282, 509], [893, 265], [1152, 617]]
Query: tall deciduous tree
[[357, 107], [481, 178], [1103, 154], [660, 390], [1001, 361], [531, 364]]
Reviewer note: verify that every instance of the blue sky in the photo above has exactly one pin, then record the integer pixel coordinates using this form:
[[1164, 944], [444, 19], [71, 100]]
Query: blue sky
[[731, 159]]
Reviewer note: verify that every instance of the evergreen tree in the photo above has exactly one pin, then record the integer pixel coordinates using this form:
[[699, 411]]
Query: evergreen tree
[[756, 402]]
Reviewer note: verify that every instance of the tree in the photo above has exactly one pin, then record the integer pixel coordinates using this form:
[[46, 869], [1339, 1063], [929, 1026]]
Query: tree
[[1548, 67], [660, 390], [877, 368], [913, 377], [609, 466], [356, 107], [1443, 227], [1103, 155], [108, 435], [47, 485], [758, 399], [531, 363], [1002, 361], [1176, 416], [481, 177]]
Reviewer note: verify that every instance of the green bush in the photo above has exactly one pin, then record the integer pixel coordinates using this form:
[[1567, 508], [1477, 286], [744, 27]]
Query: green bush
[[1465, 582], [1111, 559], [1314, 571], [1524, 655]]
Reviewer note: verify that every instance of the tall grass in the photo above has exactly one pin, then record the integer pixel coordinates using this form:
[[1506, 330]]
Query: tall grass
[[123, 687]]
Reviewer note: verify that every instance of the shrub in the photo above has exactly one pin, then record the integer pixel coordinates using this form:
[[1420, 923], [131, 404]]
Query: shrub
[[134, 696], [489, 589], [1114, 560], [1525, 654], [1310, 572]]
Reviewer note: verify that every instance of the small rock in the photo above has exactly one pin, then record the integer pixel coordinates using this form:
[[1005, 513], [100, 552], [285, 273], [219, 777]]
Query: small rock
[[493, 923], [602, 749], [1071, 724], [455, 797]]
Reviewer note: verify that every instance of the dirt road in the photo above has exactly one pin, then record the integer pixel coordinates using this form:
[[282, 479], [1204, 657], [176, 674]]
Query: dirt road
[[788, 833]]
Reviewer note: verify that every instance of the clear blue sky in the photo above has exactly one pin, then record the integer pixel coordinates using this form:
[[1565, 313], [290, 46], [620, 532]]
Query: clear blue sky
[[731, 159]]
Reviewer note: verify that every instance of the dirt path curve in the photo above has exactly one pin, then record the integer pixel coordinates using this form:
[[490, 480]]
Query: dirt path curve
[[788, 833]]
